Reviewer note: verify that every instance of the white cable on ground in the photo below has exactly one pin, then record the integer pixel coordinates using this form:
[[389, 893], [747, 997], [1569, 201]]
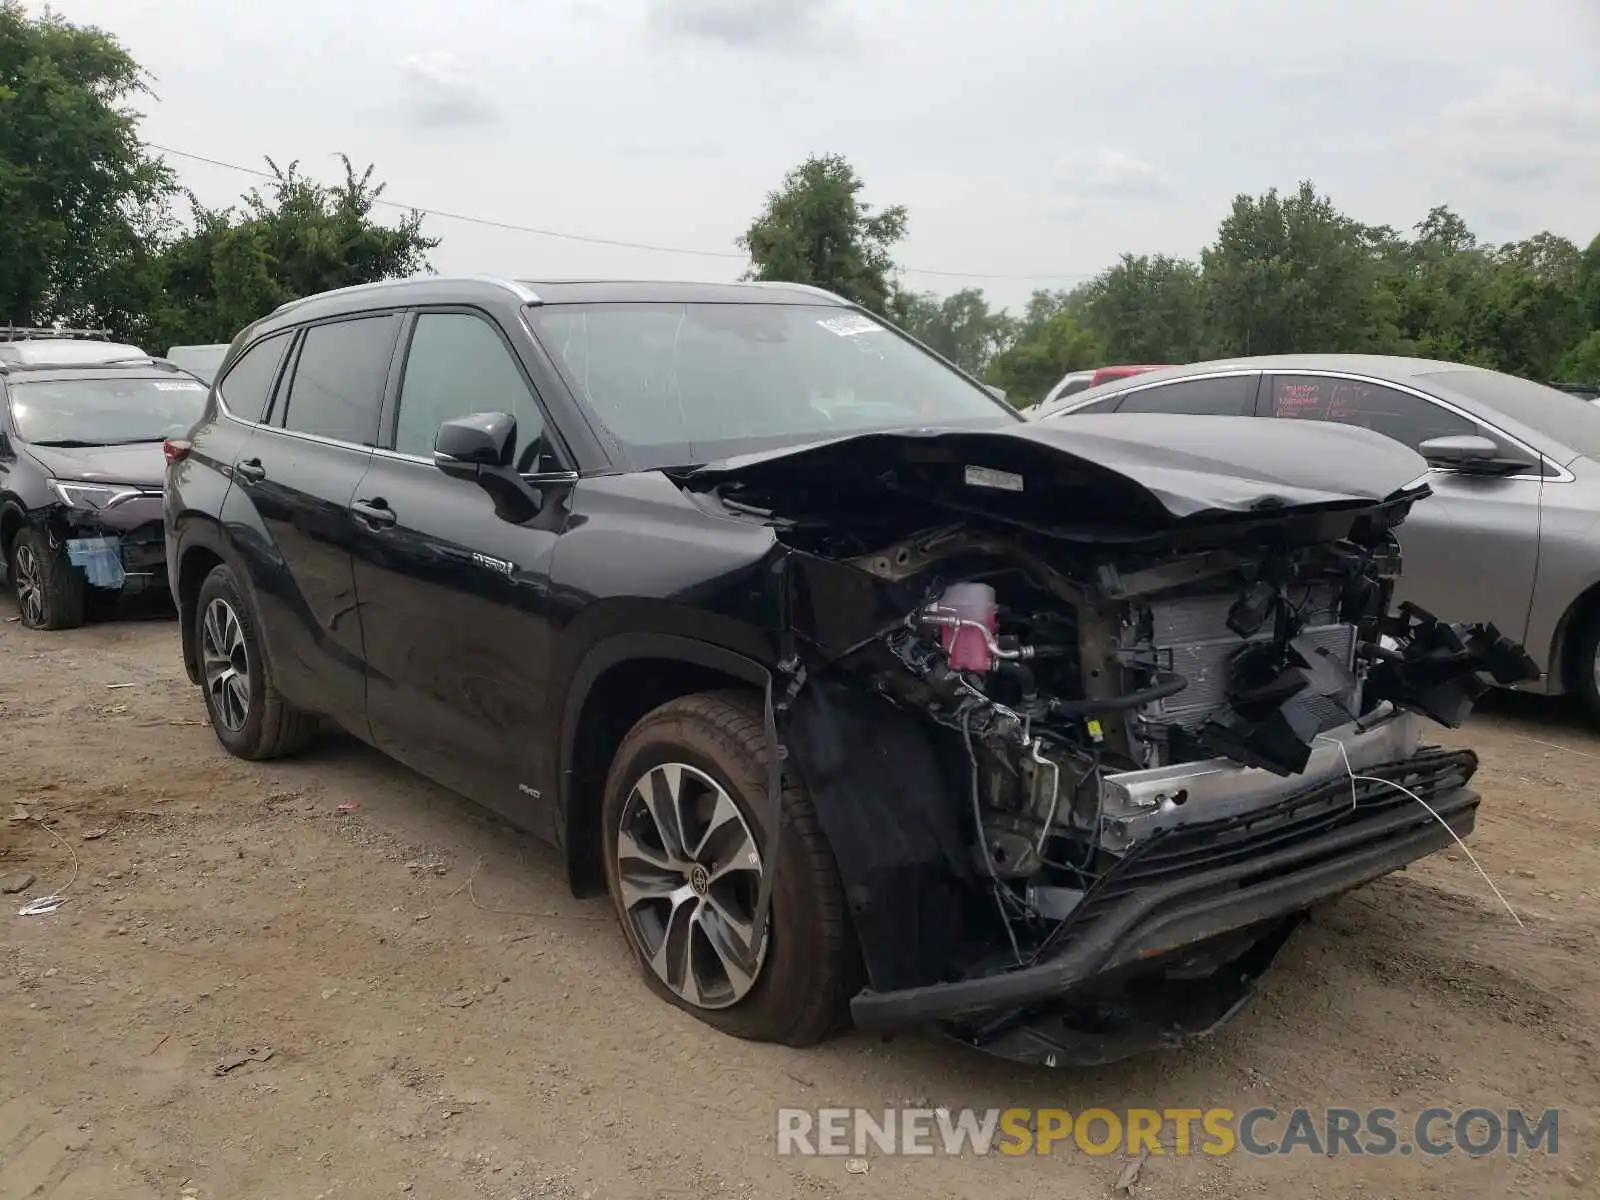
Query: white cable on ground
[[1354, 779], [41, 906]]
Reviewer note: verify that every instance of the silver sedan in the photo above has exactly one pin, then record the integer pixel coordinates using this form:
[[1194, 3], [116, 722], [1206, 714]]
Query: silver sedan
[[1512, 532]]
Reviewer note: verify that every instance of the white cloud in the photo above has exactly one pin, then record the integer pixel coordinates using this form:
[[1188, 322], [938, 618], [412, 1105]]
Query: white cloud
[[1106, 180], [1521, 130], [440, 94], [751, 24], [1113, 175]]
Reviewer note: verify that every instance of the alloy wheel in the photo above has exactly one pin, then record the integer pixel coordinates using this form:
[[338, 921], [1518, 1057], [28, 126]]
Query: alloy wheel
[[688, 874], [225, 665], [30, 588]]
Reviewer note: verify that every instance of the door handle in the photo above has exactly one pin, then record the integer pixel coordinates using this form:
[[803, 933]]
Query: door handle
[[374, 512], [251, 470]]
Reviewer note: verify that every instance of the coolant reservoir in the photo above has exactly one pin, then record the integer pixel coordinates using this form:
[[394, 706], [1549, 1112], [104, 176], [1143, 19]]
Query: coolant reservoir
[[964, 646]]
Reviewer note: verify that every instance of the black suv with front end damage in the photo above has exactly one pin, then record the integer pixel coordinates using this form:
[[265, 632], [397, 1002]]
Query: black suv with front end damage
[[859, 694], [81, 474]]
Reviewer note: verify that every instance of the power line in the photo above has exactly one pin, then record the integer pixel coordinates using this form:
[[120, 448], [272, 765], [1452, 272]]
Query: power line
[[489, 223]]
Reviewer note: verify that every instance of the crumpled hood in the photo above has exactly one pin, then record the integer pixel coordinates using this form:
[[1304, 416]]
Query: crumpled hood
[[141, 463], [1143, 471]]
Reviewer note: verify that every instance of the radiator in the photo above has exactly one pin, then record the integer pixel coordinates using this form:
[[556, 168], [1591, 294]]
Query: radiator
[[1193, 633]]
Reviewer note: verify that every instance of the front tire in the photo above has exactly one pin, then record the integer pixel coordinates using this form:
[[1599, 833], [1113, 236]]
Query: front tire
[[50, 594], [251, 719], [686, 830]]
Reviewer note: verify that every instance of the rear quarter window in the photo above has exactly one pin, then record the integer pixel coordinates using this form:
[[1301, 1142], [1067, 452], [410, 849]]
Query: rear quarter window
[[248, 384]]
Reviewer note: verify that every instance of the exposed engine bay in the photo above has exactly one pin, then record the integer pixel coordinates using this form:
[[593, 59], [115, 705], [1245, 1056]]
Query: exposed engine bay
[[1066, 754]]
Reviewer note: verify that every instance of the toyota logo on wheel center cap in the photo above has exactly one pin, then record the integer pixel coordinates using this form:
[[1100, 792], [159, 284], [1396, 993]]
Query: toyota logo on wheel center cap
[[699, 879]]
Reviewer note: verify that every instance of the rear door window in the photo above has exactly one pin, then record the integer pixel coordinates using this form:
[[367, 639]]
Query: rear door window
[[247, 387], [1386, 410], [339, 376], [1217, 396]]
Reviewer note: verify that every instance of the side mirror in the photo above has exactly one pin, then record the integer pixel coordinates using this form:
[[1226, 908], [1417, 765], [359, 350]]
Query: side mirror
[[1470, 453], [999, 393], [480, 448], [467, 445]]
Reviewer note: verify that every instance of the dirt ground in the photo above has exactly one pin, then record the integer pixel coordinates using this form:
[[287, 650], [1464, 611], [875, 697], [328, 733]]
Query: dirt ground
[[444, 1020]]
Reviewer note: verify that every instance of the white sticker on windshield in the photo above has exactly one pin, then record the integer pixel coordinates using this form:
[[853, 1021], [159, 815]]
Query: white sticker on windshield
[[988, 477], [849, 325], [179, 385]]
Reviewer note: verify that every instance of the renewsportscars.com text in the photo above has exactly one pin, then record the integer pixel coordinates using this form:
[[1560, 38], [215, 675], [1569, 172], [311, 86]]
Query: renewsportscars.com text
[[1181, 1131]]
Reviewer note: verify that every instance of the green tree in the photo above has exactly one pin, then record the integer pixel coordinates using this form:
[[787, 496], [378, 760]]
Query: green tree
[[233, 265], [81, 202], [1588, 283], [1530, 313], [1292, 273], [1049, 342], [960, 326], [1435, 285], [815, 229], [1582, 363], [1150, 310]]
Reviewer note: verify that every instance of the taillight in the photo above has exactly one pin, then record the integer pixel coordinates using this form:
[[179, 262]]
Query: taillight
[[176, 449]]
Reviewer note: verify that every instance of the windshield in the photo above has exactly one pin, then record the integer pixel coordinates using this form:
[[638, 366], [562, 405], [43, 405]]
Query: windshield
[[1558, 415], [105, 412], [692, 383]]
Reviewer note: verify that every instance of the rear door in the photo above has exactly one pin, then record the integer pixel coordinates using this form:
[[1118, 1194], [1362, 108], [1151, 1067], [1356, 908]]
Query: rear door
[[297, 474], [454, 598], [1471, 549]]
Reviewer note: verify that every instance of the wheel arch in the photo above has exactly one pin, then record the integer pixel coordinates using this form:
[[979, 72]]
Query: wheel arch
[[618, 681], [201, 549], [1562, 675], [13, 516]]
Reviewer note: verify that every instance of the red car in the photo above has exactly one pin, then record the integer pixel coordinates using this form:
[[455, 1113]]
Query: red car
[[1079, 381]]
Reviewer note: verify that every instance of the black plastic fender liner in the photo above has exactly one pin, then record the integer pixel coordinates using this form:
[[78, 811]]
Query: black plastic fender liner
[[885, 800]]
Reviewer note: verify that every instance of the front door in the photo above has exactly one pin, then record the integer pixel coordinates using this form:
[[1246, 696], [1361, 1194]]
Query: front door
[[294, 479], [453, 597], [1471, 549]]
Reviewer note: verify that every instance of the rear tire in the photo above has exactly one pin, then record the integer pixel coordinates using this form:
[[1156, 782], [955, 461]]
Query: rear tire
[[50, 593], [714, 746], [251, 719]]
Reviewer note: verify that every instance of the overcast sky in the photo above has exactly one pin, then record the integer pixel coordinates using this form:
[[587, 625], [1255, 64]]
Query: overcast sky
[[1028, 138]]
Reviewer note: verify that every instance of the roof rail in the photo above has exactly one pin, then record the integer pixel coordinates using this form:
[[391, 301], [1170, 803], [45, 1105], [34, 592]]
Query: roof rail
[[113, 364], [798, 287], [14, 333], [521, 291]]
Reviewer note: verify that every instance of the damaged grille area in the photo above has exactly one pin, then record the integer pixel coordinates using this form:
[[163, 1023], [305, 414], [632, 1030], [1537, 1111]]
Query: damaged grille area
[[1186, 854]]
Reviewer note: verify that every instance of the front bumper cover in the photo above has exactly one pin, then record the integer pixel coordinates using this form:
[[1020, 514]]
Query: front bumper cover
[[1171, 942], [120, 549]]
